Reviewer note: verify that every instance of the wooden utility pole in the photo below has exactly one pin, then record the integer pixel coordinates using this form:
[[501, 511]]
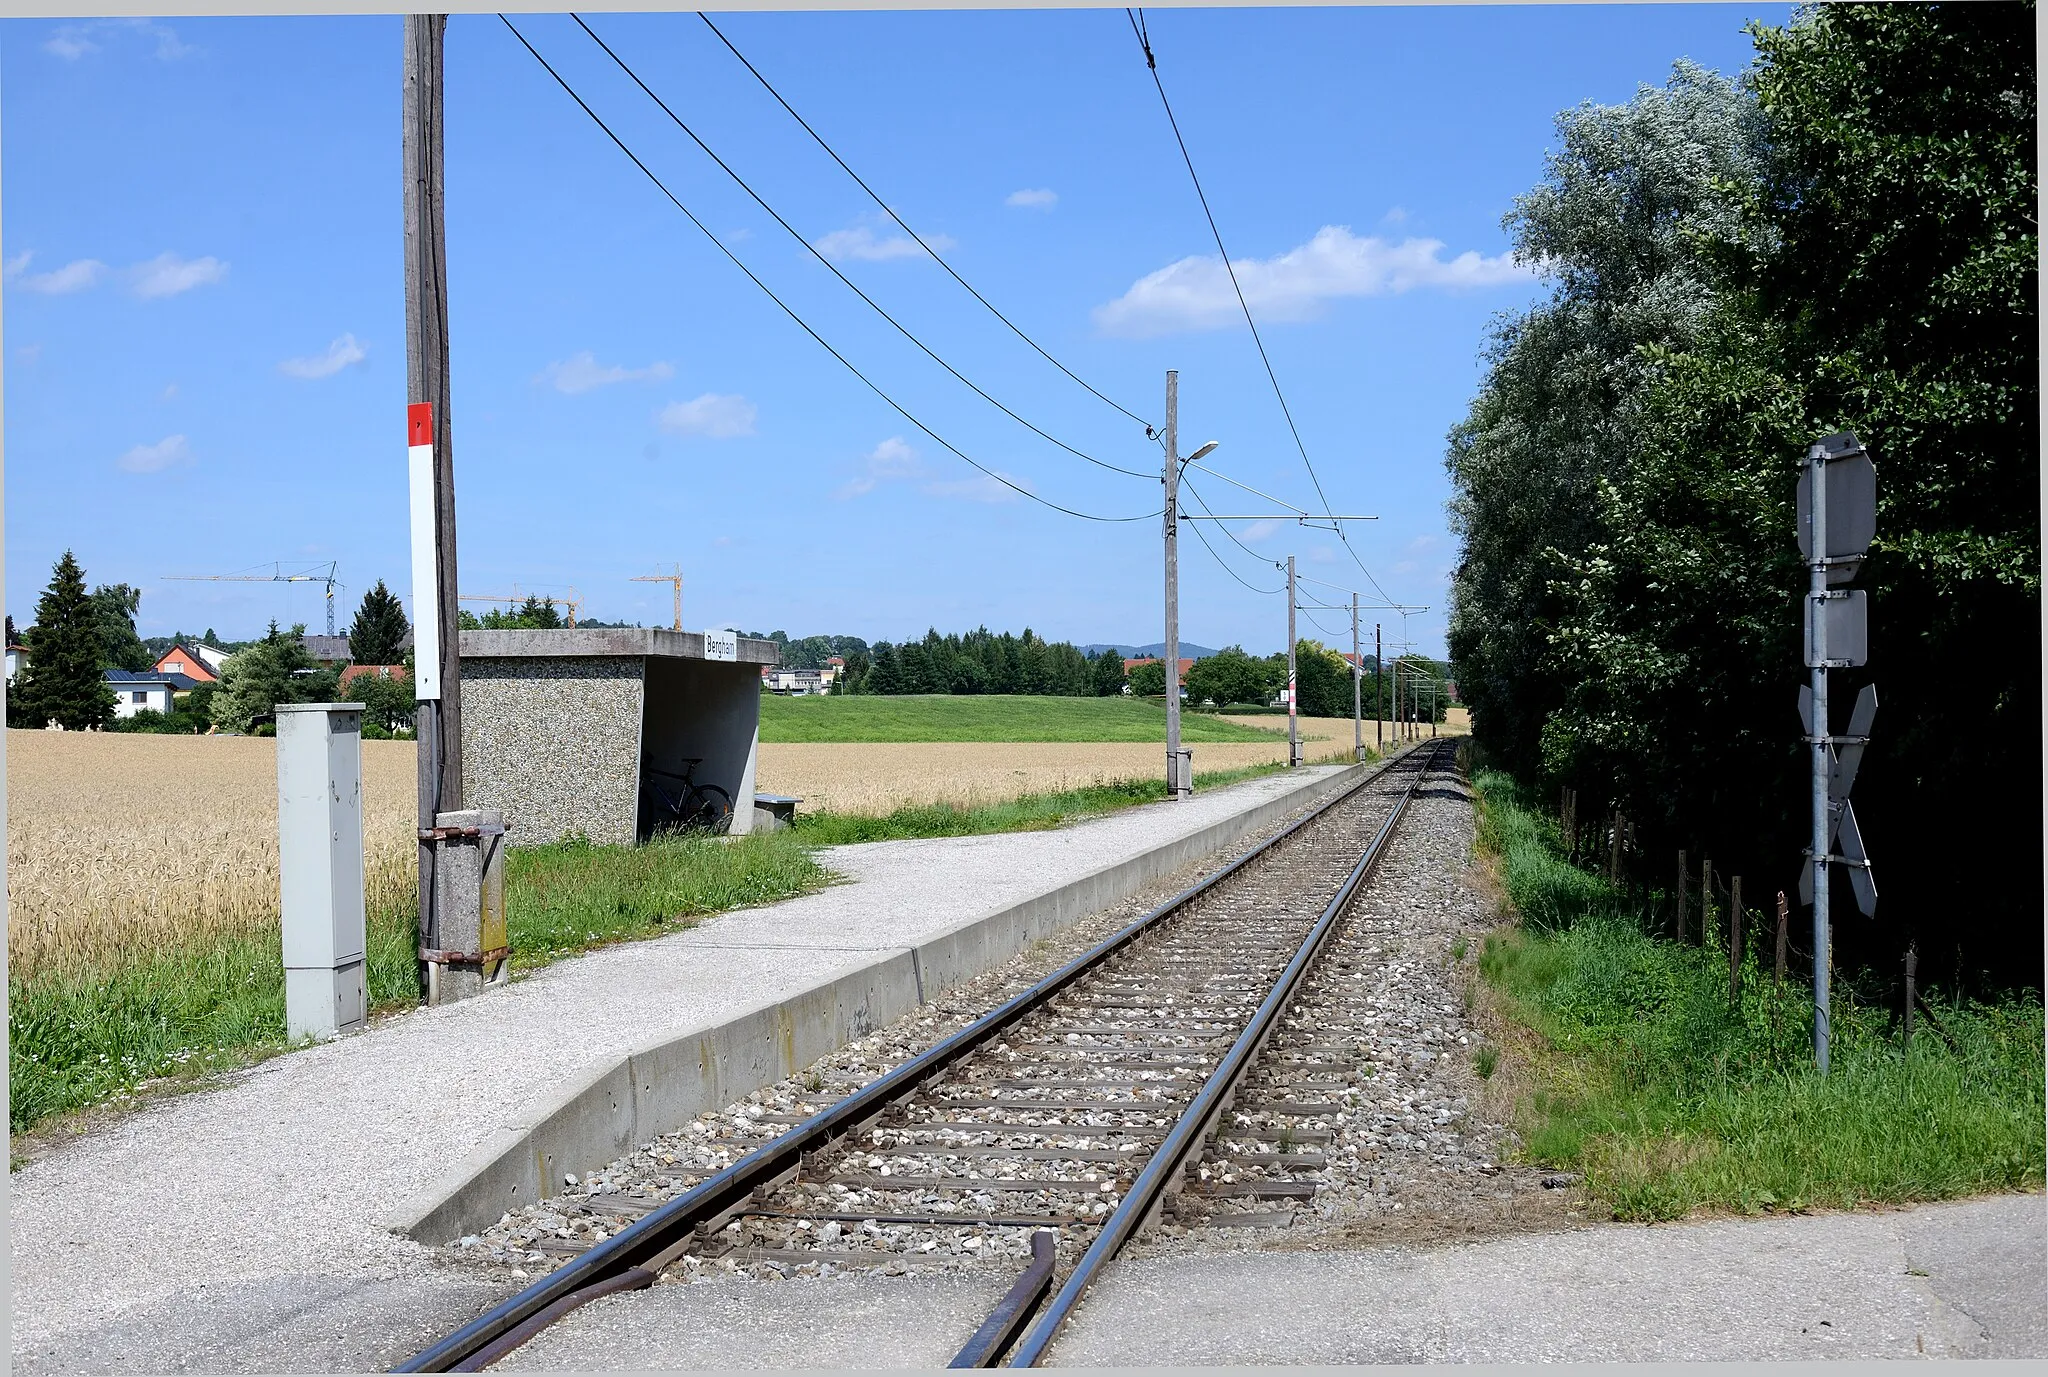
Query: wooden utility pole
[[1379, 693], [1179, 777], [1293, 684], [436, 647], [1357, 681]]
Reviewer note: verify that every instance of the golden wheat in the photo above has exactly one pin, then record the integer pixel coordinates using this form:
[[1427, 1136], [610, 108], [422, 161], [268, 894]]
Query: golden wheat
[[119, 845]]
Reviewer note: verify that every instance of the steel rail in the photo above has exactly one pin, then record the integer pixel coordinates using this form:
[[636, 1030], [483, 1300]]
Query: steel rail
[[658, 1236], [1166, 1164]]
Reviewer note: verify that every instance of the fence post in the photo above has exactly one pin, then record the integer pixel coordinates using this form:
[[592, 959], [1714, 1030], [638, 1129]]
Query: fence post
[[1912, 970], [1683, 880], [1735, 942], [1706, 900], [1784, 914], [1614, 851]]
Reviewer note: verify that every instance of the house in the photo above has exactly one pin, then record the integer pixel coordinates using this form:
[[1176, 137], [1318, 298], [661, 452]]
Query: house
[[17, 656], [135, 692], [190, 662], [354, 672], [803, 681], [328, 650], [1185, 663]]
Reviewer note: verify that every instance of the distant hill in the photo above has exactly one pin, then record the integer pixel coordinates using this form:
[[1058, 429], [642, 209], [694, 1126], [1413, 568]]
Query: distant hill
[[1188, 650]]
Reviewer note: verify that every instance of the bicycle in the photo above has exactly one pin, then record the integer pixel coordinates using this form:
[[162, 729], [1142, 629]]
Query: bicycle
[[694, 806]]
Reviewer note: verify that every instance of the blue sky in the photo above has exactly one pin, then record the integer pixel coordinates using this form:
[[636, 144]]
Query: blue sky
[[204, 299]]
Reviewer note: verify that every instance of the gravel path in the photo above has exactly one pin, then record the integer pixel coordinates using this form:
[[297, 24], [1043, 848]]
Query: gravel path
[[209, 1220]]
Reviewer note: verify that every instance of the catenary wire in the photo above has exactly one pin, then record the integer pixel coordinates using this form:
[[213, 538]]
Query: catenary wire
[[1201, 536], [1144, 37], [830, 152], [833, 268], [1186, 483], [786, 310]]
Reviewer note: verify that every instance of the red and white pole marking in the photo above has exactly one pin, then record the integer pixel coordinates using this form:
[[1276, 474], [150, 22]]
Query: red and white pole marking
[[426, 563]]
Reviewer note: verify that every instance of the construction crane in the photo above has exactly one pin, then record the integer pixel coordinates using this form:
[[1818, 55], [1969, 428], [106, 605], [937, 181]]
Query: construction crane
[[278, 575], [675, 578], [571, 603]]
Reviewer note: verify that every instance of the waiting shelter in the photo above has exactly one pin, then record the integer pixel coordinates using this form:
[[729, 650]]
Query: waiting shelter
[[603, 730]]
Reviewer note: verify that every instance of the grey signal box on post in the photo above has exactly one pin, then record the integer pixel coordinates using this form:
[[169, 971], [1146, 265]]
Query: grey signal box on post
[[320, 865]]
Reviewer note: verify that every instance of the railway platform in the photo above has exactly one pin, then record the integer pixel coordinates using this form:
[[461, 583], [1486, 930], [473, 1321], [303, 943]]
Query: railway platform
[[250, 1225]]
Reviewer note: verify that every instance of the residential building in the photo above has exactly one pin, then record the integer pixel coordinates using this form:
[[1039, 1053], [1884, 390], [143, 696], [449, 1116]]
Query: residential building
[[328, 650], [1186, 661], [17, 656], [354, 672], [134, 692], [180, 659]]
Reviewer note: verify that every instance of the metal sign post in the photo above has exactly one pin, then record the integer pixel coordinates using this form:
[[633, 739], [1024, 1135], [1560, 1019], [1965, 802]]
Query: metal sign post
[[1837, 517]]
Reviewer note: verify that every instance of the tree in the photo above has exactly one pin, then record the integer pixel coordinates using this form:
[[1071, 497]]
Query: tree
[[116, 606], [65, 678], [1627, 622], [1109, 673], [1322, 679], [389, 708], [276, 669], [1148, 680], [379, 630], [1230, 676]]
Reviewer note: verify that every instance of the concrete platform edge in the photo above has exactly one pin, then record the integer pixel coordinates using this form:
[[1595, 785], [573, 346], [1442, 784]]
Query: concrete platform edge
[[662, 1085]]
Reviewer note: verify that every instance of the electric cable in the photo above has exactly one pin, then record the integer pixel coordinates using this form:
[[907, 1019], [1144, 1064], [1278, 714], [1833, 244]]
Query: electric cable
[[833, 268], [1197, 528], [786, 309], [1150, 430], [1139, 28]]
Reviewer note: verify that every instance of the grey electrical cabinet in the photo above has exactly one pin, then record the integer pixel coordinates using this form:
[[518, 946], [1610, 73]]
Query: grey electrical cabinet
[[320, 866]]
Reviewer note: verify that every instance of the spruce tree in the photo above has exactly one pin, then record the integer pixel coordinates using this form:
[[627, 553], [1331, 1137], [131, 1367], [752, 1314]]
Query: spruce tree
[[376, 635], [65, 680]]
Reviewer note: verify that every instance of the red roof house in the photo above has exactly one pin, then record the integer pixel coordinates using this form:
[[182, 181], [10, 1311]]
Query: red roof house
[[179, 660]]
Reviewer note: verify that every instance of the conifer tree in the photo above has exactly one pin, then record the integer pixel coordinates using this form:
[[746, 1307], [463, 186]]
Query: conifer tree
[[65, 680], [380, 628]]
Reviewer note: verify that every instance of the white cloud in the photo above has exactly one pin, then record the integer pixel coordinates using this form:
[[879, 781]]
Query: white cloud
[[169, 393], [73, 41], [1259, 530], [152, 458], [583, 373], [77, 276], [339, 355], [981, 488], [13, 267], [893, 460], [1041, 198], [714, 416], [860, 242], [168, 275], [890, 459], [1195, 293]]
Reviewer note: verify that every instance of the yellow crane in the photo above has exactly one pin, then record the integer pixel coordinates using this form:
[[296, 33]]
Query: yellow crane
[[675, 578], [571, 603], [278, 575]]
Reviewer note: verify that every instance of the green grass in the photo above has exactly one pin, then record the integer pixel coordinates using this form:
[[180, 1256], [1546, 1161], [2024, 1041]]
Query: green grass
[[81, 1039], [1030, 813], [1642, 1076], [943, 717]]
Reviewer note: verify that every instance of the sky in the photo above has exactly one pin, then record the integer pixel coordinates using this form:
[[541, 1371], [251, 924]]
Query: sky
[[203, 306]]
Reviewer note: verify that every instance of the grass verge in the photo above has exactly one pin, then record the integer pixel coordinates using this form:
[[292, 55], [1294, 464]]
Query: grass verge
[[81, 1038], [1030, 813], [990, 717], [1640, 1074]]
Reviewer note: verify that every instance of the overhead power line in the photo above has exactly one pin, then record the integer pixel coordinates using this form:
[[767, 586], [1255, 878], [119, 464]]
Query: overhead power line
[[1226, 530], [1139, 28], [891, 213], [801, 323], [833, 268]]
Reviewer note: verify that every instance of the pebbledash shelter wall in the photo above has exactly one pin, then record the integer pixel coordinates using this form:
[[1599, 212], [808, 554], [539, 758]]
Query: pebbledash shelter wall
[[562, 729]]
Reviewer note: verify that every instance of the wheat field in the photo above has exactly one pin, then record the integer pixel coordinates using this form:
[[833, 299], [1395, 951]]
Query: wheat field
[[119, 844]]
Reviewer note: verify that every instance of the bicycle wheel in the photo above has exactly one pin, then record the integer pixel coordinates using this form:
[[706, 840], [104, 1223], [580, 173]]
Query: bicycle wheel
[[715, 810]]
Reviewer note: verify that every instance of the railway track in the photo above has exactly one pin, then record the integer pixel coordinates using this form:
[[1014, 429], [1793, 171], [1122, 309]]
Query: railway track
[[1058, 1126]]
